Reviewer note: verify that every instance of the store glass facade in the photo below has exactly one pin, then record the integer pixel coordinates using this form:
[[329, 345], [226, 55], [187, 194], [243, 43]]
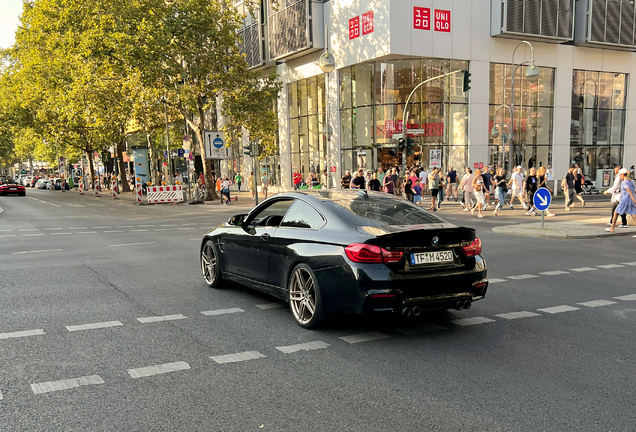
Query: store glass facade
[[372, 100], [307, 120], [533, 117], [597, 130]]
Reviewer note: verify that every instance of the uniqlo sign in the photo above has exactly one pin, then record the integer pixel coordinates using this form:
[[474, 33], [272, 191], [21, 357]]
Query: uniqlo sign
[[421, 18], [354, 28], [367, 23], [442, 20]]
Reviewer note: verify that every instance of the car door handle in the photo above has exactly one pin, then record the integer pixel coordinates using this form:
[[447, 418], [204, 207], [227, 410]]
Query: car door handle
[[265, 236]]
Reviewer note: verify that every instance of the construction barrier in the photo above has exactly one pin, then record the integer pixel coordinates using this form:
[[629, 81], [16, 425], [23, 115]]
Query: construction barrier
[[164, 194], [96, 184], [115, 188], [139, 192], [81, 187]]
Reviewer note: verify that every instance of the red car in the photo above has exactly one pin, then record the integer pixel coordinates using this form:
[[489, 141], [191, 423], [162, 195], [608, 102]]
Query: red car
[[9, 187]]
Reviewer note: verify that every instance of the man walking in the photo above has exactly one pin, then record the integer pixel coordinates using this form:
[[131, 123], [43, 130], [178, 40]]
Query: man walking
[[451, 184], [345, 182], [238, 179], [264, 183], [516, 183], [567, 183]]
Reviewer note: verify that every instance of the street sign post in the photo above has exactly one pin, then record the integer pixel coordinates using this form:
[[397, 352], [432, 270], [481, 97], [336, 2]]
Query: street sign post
[[542, 200]]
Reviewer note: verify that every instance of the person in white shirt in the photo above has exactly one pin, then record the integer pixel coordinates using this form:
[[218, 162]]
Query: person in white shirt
[[423, 179], [516, 185], [615, 190]]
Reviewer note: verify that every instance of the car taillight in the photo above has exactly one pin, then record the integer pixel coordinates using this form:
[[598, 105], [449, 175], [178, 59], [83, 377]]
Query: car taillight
[[365, 253], [473, 249]]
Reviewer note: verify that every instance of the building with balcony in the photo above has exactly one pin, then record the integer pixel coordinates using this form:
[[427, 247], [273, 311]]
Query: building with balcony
[[580, 109]]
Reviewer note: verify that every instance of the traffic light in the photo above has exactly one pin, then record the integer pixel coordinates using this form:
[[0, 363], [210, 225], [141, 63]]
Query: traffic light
[[23, 171], [466, 80], [409, 146], [247, 150]]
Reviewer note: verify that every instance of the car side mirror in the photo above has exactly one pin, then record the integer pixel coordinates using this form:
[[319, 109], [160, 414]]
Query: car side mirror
[[236, 220]]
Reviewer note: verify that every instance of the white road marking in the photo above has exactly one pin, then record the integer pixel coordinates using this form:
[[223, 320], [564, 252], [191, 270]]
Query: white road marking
[[1, 397], [63, 233], [238, 357], [472, 321], [269, 305], [185, 229], [138, 230], [170, 225], [630, 297], [303, 347], [161, 318], [195, 223], [558, 309], [125, 226], [583, 269], [23, 333], [30, 229], [159, 369], [11, 230], [94, 326], [364, 337], [76, 228], [163, 229], [523, 276], [37, 251], [101, 227], [423, 328], [630, 263], [497, 280], [146, 226], [132, 244], [222, 311], [45, 202], [515, 315], [32, 235], [114, 231], [554, 273], [610, 266], [88, 232], [66, 384], [10, 235], [596, 303], [52, 229], [190, 239]]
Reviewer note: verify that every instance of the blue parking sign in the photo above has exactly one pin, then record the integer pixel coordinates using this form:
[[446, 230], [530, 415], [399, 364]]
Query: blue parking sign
[[542, 199]]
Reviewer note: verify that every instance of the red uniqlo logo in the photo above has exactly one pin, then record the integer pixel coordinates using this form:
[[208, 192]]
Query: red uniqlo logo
[[442, 20], [367, 23], [421, 18], [354, 28]]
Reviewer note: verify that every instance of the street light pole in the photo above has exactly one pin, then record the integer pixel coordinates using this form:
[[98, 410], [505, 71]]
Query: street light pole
[[532, 74], [327, 64], [165, 111]]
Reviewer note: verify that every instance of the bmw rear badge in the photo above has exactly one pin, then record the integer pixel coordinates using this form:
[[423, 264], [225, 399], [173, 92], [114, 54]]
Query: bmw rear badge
[[435, 241]]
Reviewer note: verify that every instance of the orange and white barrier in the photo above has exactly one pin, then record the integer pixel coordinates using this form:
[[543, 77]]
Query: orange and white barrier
[[96, 185], [164, 194], [115, 187], [80, 188]]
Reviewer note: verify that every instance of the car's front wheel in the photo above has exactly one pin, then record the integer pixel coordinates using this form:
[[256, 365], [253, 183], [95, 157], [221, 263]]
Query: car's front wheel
[[305, 301], [210, 266]]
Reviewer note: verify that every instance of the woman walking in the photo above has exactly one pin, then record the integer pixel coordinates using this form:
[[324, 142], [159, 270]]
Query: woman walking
[[627, 204], [479, 189], [531, 186], [433, 185], [542, 177], [579, 181], [501, 187]]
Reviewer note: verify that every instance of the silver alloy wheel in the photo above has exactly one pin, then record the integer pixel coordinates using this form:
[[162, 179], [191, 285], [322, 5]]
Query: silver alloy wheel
[[208, 264], [302, 295]]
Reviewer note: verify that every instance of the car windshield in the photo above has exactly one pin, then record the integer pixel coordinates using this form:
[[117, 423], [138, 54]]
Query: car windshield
[[382, 211]]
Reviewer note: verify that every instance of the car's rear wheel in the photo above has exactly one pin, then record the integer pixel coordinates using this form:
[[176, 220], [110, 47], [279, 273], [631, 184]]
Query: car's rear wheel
[[305, 301], [210, 266]]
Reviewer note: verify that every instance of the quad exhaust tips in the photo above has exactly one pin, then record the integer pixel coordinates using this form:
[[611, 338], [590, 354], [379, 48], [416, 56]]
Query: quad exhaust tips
[[416, 311], [463, 304]]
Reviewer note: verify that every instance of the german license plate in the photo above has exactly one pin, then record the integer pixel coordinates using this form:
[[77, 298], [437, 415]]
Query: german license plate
[[431, 257], [12, 189]]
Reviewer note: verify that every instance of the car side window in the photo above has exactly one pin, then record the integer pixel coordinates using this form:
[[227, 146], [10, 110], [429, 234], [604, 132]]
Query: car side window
[[302, 215], [272, 215]]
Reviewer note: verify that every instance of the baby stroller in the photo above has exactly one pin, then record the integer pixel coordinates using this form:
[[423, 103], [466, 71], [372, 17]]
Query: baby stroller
[[589, 188]]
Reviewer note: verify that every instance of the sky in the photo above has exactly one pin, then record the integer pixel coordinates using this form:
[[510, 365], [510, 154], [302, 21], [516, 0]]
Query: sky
[[10, 11]]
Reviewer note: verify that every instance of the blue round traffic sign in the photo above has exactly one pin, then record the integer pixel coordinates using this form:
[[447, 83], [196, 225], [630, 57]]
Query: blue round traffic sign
[[218, 142], [542, 199]]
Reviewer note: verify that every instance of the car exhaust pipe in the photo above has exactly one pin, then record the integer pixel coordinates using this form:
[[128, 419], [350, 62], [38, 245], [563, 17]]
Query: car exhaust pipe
[[407, 312], [459, 305], [467, 304], [417, 311]]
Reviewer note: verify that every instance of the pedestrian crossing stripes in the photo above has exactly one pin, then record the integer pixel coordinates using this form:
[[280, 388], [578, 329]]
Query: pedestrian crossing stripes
[[237, 357], [66, 384], [222, 311], [303, 347], [94, 326], [364, 337], [558, 309], [597, 303], [158, 369], [23, 333]]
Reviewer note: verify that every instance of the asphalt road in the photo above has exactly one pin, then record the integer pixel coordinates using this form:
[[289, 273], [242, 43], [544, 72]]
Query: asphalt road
[[106, 325]]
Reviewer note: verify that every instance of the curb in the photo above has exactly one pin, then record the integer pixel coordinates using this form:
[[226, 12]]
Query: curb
[[564, 236]]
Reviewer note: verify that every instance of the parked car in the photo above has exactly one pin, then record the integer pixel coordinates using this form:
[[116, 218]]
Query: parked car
[[9, 187], [33, 181], [347, 251]]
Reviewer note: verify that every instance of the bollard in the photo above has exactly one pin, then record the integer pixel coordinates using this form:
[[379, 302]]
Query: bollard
[[96, 184], [80, 188], [139, 191], [114, 187]]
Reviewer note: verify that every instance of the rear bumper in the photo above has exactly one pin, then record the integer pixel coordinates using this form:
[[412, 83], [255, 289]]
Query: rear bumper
[[364, 288]]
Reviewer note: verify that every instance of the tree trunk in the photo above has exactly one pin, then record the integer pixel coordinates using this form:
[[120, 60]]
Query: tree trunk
[[208, 167], [91, 168], [122, 168], [154, 177]]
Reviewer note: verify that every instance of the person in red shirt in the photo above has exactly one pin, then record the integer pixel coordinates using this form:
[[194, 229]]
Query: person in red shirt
[[298, 178]]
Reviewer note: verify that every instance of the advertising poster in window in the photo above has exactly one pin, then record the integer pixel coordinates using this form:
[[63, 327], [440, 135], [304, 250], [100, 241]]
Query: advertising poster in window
[[436, 158]]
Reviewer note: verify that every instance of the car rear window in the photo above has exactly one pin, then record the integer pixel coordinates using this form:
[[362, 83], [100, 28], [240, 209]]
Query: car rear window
[[382, 211]]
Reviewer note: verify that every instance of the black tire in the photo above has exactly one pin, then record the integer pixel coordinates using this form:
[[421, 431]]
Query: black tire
[[210, 265], [303, 295], [22, 194]]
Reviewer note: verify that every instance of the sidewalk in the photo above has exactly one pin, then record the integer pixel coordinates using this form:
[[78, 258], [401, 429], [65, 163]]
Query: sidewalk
[[584, 229]]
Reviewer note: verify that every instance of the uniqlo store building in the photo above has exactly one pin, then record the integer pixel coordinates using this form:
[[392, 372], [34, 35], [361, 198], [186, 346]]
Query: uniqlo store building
[[578, 107]]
